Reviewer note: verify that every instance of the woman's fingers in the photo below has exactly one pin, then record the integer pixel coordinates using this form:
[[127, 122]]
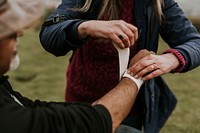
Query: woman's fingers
[[141, 54], [129, 35], [148, 72], [141, 68], [119, 31], [134, 30], [153, 65], [153, 74]]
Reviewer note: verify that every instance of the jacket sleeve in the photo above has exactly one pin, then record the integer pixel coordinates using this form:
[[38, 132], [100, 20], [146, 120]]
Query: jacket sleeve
[[45, 117], [180, 34], [62, 37], [54, 118]]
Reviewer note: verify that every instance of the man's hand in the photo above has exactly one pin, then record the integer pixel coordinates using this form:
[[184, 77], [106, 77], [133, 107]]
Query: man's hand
[[120, 99], [140, 55]]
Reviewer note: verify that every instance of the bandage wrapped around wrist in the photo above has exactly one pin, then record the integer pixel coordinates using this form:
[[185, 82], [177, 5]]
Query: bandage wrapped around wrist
[[138, 81], [123, 55]]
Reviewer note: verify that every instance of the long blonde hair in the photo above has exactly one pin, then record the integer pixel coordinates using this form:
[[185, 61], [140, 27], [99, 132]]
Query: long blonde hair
[[158, 6], [110, 9]]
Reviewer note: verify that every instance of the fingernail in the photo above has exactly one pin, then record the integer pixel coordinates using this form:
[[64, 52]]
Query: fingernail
[[136, 76], [128, 71], [132, 74]]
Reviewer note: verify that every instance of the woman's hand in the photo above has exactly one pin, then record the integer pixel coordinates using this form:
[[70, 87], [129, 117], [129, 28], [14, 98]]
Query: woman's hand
[[153, 65], [120, 32]]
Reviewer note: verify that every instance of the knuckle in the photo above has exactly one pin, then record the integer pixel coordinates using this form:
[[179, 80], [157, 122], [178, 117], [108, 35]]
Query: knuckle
[[143, 51], [157, 73], [153, 74], [149, 68], [142, 64], [131, 36], [141, 73], [135, 29], [121, 21], [150, 57], [109, 32], [118, 41], [118, 23]]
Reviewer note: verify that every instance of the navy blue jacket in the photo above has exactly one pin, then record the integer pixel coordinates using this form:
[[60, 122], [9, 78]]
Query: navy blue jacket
[[176, 30]]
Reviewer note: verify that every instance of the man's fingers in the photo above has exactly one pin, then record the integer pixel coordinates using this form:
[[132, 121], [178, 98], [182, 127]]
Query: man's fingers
[[141, 54]]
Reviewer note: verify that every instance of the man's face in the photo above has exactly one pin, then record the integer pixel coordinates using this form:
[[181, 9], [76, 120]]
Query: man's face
[[7, 52]]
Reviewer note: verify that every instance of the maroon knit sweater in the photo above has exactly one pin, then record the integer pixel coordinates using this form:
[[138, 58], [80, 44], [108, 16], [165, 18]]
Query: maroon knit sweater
[[94, 68]]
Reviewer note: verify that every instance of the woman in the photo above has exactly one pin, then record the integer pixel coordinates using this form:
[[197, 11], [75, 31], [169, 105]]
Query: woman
[[89, 28], [19, 114]]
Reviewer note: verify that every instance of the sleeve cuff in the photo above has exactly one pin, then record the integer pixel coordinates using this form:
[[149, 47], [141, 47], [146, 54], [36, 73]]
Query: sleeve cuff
[[106, 117], [74, 36], [179, 57]]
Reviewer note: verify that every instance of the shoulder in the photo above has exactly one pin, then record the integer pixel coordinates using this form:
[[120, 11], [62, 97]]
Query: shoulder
[[72, 3], [169, 3]]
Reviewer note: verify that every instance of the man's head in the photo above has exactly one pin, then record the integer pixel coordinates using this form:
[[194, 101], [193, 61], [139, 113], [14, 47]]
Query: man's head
[[15, 15]]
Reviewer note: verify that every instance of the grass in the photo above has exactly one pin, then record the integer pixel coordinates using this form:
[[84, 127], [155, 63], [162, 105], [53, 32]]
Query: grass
[[186, 87], [42, 76]]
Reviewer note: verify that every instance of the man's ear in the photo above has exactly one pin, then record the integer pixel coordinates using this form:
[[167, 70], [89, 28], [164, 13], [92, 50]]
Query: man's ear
[[141, 54]]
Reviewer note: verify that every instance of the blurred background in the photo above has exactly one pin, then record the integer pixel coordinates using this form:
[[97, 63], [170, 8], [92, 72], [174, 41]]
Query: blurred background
[[42, 75]]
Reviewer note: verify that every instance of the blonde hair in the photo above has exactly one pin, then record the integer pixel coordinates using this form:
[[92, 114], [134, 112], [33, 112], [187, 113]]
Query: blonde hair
[[158, 6], [110, 9]]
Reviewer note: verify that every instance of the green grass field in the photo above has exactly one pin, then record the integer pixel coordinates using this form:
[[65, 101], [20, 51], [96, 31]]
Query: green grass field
[[42, 76]]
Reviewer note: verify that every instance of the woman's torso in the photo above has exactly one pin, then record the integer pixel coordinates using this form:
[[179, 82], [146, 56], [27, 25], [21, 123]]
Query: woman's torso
[[94, 68]]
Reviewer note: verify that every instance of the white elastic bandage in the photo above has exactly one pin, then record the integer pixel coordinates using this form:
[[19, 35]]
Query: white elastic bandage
[[123, 55], [138, 81]]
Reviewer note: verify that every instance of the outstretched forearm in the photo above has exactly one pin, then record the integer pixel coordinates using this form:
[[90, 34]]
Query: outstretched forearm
[[119, 100]]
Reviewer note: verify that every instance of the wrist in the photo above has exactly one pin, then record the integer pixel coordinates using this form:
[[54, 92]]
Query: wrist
[[138, 82], [179, 57], [173, 60], [82, 30]]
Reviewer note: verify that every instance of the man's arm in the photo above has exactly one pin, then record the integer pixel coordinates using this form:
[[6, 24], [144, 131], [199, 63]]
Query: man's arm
[[119, 100], [44, 117]]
